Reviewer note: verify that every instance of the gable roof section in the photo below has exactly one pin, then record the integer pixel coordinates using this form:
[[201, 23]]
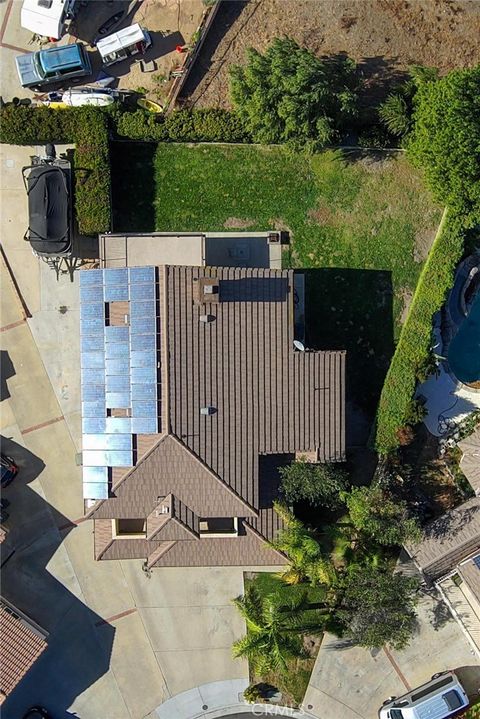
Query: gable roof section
[[171, 466], [448, 540]]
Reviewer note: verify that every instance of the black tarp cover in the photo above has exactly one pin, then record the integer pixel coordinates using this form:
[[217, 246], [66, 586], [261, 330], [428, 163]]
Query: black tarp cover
[[48, 207]]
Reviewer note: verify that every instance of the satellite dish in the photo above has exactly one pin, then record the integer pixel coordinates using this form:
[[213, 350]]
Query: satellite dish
[[299, 345]]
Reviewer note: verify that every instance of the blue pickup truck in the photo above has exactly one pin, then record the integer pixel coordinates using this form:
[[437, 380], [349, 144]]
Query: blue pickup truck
[[45, 67]]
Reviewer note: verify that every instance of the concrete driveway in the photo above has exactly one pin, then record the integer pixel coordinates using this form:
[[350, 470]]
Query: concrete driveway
[[352, 683]]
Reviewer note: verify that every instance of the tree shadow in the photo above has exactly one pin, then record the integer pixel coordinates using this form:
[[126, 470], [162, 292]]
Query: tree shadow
[[353, 311], [133, 186], [378, 77], [7, 370], [77, 653], [470, 679]]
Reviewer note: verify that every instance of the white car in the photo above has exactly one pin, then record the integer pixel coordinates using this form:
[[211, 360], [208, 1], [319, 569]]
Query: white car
[[440, 698]]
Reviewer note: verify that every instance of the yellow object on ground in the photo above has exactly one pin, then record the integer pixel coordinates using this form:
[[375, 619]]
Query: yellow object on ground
[[149, 105]]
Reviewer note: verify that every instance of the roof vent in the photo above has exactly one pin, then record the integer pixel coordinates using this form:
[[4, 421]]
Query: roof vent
[[299, 345], [273, 238], [207, 318], [207, 410], [206, 289]]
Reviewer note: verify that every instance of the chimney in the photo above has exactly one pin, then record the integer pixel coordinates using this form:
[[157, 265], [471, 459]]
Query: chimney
[[206, 290]]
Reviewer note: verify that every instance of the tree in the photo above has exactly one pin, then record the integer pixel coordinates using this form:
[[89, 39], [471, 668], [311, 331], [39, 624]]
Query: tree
[[289, 95], [375, 514], [318, 484], [396, 112], [445, 140], [303, 551], [377, 607], [274, 631]]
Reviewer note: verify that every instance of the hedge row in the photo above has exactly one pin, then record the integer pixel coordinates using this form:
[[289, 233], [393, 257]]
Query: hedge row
[[413, 347], [88, 129], [182, 126]]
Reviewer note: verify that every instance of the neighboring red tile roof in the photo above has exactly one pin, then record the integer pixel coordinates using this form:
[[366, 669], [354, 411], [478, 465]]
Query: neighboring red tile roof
[[267, 399], [21, 643]]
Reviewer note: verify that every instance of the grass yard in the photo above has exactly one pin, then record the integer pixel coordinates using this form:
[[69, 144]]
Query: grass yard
[[364, 225]]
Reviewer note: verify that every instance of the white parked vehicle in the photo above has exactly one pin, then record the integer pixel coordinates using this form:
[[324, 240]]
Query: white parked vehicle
[[47, 18], [129, 41], [440, 698]]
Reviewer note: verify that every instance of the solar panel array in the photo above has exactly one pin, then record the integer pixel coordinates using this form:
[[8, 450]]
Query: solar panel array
[[118, 371]]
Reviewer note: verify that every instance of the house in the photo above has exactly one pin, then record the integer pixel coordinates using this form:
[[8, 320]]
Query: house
[[470, 462], [449, 558], [22, 642], [195, 387]]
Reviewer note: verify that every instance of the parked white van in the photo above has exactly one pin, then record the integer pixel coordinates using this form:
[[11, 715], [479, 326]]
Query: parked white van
[[440, 698]]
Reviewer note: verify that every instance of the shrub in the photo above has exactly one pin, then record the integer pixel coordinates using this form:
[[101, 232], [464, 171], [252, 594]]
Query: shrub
[[182, 126], [290, 95], [141, 125], [87, 127], [395, 114], [413, 347], [445, 140]]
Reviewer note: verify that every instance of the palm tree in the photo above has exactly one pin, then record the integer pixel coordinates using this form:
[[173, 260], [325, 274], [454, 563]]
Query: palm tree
[[304, 552], [274, 631]]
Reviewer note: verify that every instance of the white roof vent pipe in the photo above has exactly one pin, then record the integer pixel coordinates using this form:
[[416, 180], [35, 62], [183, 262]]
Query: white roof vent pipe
[[208, 410]]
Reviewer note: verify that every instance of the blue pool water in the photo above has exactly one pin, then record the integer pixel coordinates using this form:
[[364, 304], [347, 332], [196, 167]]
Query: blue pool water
[[464, 350]]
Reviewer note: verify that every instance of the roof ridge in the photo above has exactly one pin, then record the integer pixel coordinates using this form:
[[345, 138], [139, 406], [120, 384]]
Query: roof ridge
[[162, 549], [214, 475], [251, 529]]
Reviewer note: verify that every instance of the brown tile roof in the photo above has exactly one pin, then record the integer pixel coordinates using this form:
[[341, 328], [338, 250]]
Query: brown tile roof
[[470, 574], [21, 644], [470, 462], [267, 399], [449, 539]]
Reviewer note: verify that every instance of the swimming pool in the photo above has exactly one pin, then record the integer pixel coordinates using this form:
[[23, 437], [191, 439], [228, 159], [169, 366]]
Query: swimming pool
[[464, 350]]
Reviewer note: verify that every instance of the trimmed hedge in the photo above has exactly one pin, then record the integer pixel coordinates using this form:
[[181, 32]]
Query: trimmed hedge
[[182, 126], [413, 347], [88, 129]]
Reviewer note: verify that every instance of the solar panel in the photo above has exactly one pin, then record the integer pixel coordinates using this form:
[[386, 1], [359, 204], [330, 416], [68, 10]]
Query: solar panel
[[92, 310], [107, 441], [143, 391], [118, 370], [116, 400], [118, 383], [117, 366], [92, 277], [94, 425], [142, 325], [107, 458], [92, 326], [141, 309], [117, 276], [123, 425], [142, 359], [142, 292], [91, 294], [141, 274], [92, 359], [144, 425], [144, 409], [113, 350], [143, 374]]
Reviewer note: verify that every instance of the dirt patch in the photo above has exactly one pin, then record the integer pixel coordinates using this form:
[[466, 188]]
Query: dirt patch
[[423, 242], [406, 296], [322, 215], [384, 36], [236, 223]]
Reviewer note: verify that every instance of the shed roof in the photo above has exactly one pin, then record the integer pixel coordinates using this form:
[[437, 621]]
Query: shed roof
[[448, 540]]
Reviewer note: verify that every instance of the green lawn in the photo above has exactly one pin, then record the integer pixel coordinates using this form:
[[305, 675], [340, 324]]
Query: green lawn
[[361, 215]]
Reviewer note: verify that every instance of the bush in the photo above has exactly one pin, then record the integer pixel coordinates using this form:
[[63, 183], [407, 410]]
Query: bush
[[182, 126], [413, 347], [87, 127]]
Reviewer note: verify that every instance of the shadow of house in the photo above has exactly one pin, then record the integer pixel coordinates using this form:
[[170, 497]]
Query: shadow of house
[[78, 653], [353, 309], [133, 186], [7, 370]]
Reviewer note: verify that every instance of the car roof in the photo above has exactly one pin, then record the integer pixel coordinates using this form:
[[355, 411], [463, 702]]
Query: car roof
[[62, 57], [48, 208]]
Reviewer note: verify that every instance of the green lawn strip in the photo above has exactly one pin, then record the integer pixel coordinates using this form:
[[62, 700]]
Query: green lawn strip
[[415, 339], [294, 682]]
